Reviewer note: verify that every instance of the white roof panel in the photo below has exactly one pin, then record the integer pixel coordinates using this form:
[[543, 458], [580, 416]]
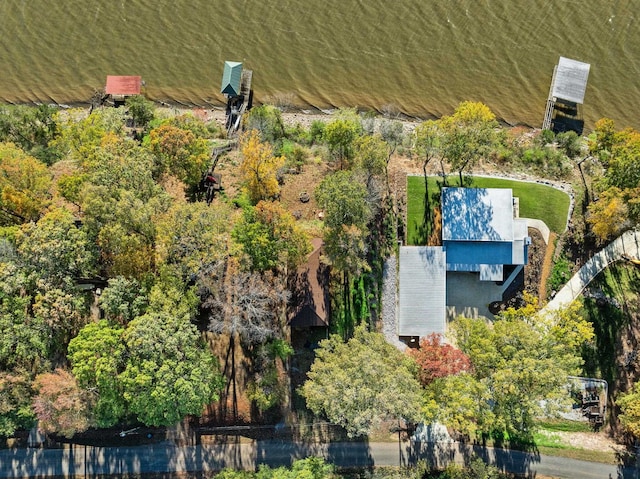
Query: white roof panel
[[477, 214], [422, 292], [570, 80]]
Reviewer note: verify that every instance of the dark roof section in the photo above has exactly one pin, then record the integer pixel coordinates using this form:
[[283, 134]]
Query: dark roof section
[[123, 85], [310, 305]]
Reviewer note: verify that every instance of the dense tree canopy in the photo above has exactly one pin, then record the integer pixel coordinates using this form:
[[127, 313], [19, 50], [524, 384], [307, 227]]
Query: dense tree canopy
[[16, 411], [361, 382], [270, 237], [169, 373], [25, 185], [519, 360], [97, 356]]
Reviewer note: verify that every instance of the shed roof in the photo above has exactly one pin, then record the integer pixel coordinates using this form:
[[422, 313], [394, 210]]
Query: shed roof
[[231, 78], [123, 85], [477, 214], [570, 80], [422, 291]]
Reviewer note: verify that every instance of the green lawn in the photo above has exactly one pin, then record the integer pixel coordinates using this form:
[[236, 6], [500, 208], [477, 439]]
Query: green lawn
[[536, 201]]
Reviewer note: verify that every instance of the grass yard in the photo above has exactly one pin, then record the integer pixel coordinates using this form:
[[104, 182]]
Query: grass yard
[[536, 201]]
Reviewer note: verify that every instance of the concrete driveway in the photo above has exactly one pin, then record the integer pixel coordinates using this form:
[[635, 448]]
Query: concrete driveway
[[470, 297]]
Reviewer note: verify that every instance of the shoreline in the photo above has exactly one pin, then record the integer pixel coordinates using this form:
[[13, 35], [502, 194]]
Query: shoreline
[[308, 113]]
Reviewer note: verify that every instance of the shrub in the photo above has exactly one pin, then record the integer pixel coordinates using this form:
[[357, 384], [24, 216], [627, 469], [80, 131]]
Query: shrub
[[560, 274]]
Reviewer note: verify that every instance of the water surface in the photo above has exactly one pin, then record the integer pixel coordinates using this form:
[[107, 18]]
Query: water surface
[[421, 57]]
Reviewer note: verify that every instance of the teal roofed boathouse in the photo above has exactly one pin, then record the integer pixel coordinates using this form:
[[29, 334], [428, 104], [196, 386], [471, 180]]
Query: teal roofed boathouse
[[231, 79]]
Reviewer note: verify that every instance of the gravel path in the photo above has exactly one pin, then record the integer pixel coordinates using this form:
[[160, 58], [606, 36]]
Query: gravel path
[[389, 302]]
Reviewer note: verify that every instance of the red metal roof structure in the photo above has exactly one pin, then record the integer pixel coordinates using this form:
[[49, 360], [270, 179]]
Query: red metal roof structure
[[123, 85]]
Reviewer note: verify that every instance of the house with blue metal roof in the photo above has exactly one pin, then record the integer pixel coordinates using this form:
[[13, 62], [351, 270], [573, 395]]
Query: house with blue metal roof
[[481, 235]]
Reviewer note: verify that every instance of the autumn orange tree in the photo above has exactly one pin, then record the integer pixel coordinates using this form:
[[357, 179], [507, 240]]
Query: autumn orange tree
[[259, 168], [437, 359], [61, 406]]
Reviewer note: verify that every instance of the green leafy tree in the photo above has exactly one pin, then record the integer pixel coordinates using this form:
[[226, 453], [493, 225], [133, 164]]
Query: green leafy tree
[[371, 156], [70, 187], [64, 311], [97, 356], [140, 109], [120, 164], [55, 249], [427, 138], [523, 358], [80, 134], [602, 141], [468, 134], [193, 236], [25, 341], [267, 121], [346, 215], [361, 382], [31, 128], [340, 135], [169, 373], [123, 300], [460, 401], [25, 184], [271, 238], [180, 152], [16, 394]]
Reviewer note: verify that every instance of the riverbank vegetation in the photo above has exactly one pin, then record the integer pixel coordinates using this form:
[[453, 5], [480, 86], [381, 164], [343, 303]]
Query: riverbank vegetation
[[125, 299]]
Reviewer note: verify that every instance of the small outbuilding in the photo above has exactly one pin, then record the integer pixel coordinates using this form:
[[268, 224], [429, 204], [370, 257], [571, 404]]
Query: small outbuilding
[[568, 87], [121, 87], [236, 87], [231, 78]]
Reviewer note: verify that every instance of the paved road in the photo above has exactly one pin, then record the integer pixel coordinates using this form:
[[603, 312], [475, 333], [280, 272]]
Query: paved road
[[81, 461], [627, 244]]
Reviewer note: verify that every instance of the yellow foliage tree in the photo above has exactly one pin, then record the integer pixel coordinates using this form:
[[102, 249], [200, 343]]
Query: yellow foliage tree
[[24, 186], [609, 215], [629, 404], [259, 167]]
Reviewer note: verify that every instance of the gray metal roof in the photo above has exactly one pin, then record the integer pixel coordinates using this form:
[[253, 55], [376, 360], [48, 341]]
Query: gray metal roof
[[231, 77], [570, 80], [477, 214], [422, 291]]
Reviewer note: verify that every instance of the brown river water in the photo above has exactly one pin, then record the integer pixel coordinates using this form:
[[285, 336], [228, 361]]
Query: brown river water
[[421, 57]]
